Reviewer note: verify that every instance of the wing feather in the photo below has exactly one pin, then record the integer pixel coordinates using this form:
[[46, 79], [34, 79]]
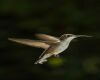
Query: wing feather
[[47, 37], [29, 42]]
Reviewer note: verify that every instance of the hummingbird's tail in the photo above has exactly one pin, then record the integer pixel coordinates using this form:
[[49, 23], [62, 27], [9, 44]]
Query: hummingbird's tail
[[40, 61], [43, 59]]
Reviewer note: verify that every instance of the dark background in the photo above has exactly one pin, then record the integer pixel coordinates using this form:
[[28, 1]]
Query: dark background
[[24, 18]]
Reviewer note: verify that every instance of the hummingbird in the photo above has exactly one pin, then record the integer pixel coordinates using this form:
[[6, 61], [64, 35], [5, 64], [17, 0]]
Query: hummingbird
[[52, 46]]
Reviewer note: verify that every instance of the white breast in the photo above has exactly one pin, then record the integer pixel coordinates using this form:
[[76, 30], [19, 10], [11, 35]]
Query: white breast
[[61, 48], [64, 45]]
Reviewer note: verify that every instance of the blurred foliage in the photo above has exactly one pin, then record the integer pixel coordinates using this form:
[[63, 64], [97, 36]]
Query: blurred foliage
[[24, 18]]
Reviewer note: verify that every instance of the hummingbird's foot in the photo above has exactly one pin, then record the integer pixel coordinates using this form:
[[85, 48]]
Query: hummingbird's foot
[[57, 55]]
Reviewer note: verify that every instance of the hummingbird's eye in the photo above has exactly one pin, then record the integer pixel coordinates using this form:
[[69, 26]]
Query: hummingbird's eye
[[69, 35]]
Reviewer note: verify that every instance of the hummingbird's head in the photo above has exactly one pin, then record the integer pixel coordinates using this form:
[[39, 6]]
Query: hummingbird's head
[[66, 36]]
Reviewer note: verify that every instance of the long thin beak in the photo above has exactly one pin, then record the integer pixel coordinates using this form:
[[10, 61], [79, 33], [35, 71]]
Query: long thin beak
[[83, 36]]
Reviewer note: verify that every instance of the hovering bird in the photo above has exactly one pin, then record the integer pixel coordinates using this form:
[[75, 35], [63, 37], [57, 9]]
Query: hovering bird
[[52, 45]]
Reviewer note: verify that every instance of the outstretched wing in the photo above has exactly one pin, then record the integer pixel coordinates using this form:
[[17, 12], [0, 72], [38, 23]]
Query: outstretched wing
[[33, 43], [47, 37]]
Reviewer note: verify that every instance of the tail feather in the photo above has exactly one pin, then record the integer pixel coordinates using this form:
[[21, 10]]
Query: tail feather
[[40, 61], [43, 59]]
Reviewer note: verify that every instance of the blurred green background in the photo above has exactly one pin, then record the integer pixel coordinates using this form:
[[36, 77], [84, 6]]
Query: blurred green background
[[24, 18]]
